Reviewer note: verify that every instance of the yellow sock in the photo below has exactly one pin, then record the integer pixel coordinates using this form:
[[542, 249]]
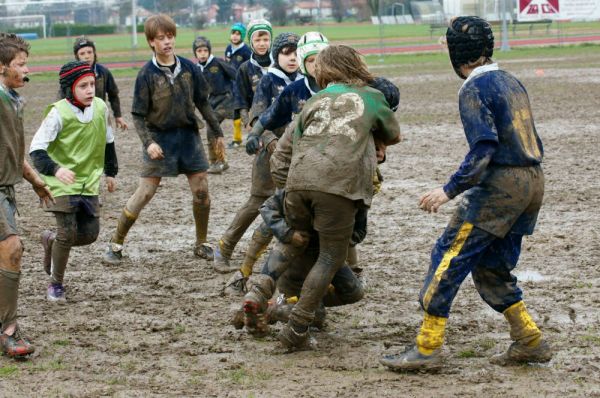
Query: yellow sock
[[431, 335], [522, 327], [237, 130]]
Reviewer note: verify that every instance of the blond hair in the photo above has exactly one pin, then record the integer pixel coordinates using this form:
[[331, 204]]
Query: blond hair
[[341, 64]]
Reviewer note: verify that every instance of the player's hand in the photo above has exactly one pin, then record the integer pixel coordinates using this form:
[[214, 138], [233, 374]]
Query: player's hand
[[300, 238], [121, 123], [65, 176], [111, 184], [432, 200], [380, 148], [155, 151], [272, 146], [253, 144], [44, 194]]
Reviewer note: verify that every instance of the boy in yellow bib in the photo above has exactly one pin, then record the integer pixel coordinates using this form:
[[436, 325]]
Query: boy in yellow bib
[[71, 149]]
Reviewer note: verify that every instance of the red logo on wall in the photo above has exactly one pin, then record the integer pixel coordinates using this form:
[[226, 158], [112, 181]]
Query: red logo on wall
[[538, 7]]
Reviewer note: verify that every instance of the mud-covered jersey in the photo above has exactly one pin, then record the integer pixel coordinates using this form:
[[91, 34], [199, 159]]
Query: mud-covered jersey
[[12, 137], [333, 147], [494, 106], [237, 56], [219, 75], [270, 86], [288, 103], [168, 102], [246, 81]]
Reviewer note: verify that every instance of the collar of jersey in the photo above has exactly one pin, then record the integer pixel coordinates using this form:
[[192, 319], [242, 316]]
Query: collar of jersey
[[208, 61], [235, 48], [280, 74], [479, 71], [166, 70]]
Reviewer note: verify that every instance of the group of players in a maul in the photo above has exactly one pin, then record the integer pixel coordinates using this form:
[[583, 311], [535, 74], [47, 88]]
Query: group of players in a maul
[[319, 123]]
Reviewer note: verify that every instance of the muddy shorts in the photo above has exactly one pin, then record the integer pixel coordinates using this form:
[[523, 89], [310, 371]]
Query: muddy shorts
[[507, 199], [8, 209], [89, 205], [183, 151]]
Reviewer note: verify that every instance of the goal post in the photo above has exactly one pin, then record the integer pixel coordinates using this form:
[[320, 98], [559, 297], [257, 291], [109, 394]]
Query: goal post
[[25, 21]]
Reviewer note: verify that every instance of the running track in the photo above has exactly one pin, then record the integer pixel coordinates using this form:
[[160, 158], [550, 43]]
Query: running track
[[376, 50]]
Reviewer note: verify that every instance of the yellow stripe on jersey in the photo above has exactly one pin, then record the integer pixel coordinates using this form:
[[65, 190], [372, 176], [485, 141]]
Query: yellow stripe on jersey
[[459, 241]]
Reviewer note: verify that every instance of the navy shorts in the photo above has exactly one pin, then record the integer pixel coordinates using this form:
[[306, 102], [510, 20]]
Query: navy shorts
[[183, 151]]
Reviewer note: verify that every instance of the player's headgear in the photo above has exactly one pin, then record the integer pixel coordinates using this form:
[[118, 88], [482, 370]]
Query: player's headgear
[[239, 27], [258, 25], [310, 43], [286, 39], [71, 73], [82, 42], [201, 41], [468, 39], [389, 91]]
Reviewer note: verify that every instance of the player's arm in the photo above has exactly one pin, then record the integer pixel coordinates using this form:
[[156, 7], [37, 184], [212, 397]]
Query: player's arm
[[386, 125], [111, 164], [139, 110], [471, 169], [228, 69]]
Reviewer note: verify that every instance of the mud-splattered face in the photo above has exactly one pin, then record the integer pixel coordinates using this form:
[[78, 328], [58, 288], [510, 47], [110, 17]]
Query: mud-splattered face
[[14, 74], [163, 45], [261, 42], [202, 54], [236, 37], [86, 54], [85, 90], [309, 64], [288, 62]]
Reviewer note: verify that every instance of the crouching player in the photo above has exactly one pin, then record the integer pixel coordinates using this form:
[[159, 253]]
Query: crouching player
[[71, 149], [503, 186]]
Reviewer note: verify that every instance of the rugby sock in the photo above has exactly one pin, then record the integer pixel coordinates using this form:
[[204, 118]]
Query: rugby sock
[[258, 245], [126, 220], [9, 291], [237, 130], [201, 213], [522, 327], [431, 335]]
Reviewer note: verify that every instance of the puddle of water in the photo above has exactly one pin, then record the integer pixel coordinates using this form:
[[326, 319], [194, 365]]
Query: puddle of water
[[529, 276]]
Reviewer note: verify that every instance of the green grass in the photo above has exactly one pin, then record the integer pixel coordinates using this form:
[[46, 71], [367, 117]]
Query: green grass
[[244, 377], [61, 343], [8, 370], [467, 354]]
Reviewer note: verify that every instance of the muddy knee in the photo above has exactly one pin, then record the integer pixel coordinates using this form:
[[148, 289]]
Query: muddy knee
[[200, 191], [11, 253]]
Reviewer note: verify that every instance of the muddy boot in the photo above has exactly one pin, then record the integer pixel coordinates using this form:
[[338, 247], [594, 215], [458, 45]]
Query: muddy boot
[[218, 167], [280, 308], [113, 254], [47, 239], [16, 346], [203, 251], [528, 346], [237, 319], [221, 260], [412, 359], [293, 339], [236, 285], [260, 290], [320, 315]]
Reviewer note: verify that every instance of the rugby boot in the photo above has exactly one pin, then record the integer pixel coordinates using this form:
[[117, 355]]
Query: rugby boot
[[56, 293], [236, 285], [237, 319], [294, 340], [280, 308], [47, 239], [234, 144], [413, 359], [319, 320], [113, 254], [218, 167], [16, 346], [261, 289], [221, 261], [203, 251], [519, 353]]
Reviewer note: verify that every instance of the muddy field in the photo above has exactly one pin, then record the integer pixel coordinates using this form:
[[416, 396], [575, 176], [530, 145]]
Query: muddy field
[[158, 325]]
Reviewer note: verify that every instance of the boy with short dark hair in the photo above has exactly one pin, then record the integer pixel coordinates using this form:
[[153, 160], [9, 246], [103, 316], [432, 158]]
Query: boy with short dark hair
[[168, 90], [220, 76], [14, 52], [503, 184]]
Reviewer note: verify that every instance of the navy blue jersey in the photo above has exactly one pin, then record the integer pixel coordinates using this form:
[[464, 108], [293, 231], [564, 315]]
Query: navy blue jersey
[[219, 75], [238, 56], [268, 89], [168, 102], [494, 106], [288, 103], [246, 80]]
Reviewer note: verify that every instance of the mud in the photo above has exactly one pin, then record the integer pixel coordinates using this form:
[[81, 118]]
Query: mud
[[157, 324]]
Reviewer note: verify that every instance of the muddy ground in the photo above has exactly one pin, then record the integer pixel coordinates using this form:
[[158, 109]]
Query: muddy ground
[[157, 324]]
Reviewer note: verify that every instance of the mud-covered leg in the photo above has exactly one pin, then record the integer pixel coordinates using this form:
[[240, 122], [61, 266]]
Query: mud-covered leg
[[260, 289], [201, 210]]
